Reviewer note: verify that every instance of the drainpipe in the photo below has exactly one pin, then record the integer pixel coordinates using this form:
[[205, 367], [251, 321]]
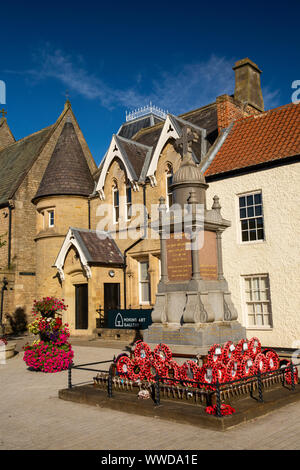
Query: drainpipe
[[9, 235], [89, 213], [4, 287]]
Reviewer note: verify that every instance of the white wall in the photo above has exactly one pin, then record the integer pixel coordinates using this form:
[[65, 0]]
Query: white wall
[[278, 255]]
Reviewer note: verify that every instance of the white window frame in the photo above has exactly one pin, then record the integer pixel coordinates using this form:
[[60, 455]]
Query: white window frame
[[169, 174], [115, 189], [128, 205], [239, 224], [144, 302], [50, 224], [246, 302]]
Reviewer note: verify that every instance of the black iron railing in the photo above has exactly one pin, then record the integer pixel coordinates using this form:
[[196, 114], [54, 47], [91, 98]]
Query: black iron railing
[[208, 388]]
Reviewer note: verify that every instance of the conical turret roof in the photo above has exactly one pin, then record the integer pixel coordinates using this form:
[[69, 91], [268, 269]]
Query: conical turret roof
[[67, 172]]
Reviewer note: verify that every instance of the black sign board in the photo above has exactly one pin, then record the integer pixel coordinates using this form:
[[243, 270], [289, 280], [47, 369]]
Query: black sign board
[[129, 319]]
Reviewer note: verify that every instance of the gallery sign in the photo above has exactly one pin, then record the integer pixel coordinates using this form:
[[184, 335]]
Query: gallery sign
[[129, 319]]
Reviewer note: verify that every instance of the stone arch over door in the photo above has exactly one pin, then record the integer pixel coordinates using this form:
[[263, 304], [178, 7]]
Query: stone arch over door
[[75, 275]]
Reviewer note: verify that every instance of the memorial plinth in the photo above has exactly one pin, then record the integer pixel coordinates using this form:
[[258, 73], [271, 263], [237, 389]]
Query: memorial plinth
[[193, 308]]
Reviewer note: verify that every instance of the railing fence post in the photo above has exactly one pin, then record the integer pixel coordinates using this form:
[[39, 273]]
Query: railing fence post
[[70, 375], [109, 383], [218, 399], [260, 393], [292, 376], [157, 390]]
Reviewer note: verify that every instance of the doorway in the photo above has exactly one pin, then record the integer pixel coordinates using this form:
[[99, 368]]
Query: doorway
[[111, 298], [81, 307]]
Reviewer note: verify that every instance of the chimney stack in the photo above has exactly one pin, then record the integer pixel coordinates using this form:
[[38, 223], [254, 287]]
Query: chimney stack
[[247, 84]]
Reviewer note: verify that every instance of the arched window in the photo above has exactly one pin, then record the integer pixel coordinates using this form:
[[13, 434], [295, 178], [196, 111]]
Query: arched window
[[169, 181], [128, 201], [116, 204]]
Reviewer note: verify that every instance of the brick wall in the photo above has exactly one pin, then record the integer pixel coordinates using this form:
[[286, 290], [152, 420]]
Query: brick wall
[[229, 110]]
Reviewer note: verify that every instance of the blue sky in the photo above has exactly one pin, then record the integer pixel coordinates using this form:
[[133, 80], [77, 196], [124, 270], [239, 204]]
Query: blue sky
[[117, 56]]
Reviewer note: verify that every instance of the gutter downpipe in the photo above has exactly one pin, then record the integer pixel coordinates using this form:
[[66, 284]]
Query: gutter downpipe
[[9, 235]]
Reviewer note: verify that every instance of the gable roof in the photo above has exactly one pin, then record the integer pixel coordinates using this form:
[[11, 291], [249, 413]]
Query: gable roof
[[67, 171], [258, 139], [6, 136], [98, 250], [93, 247], [129, 129], [17, 159]]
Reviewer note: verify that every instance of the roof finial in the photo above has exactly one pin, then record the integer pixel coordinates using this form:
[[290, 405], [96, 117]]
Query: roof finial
[[3, 112], [68, 102]]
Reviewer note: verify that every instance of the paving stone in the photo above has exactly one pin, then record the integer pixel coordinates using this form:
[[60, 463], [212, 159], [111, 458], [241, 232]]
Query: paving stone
[[35, 418]]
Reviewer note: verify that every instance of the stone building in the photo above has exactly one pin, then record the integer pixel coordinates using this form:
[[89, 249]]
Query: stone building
[[249, 158], [22, 167]]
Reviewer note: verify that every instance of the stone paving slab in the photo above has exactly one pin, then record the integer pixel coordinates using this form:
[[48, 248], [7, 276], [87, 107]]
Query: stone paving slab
[[33, 417]]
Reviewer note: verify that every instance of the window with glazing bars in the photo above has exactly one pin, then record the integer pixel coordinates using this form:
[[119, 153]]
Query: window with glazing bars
[[257, 291], [251, 217]]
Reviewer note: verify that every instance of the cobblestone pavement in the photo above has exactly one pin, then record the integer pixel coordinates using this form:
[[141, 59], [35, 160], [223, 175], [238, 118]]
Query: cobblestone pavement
[[33, 417]]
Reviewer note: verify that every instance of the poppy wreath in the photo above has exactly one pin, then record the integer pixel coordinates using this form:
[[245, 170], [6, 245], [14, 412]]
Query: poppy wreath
[[288, 377], [190, 371], [124, 366], [152, 368], [208, 375], [241, 349], [233, 370], [221, 372], [137, 368], [246, 366], [163, 352], [272, 359], [214, 354], [226, 410], [172, 371], [227, 352], [142, 350], [260, 363], [254, 347]]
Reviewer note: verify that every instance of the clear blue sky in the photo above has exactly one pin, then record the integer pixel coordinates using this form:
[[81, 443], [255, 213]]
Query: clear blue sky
[[114, 56]]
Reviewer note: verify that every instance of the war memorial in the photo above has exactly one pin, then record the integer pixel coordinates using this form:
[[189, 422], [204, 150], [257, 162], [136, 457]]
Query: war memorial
[[193, 364]]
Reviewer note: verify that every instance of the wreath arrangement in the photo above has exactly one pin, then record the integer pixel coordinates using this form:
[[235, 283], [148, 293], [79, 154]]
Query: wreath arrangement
[[241, 349], [172, 371], [162, 352], [254, 347], [233, 370], [142, 350], [190, 371], [225, 410], [260, 363], [246, 367], [215, 354], [288, 376], [227, 352], [124, 366], [272, 360], [136, 370]]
